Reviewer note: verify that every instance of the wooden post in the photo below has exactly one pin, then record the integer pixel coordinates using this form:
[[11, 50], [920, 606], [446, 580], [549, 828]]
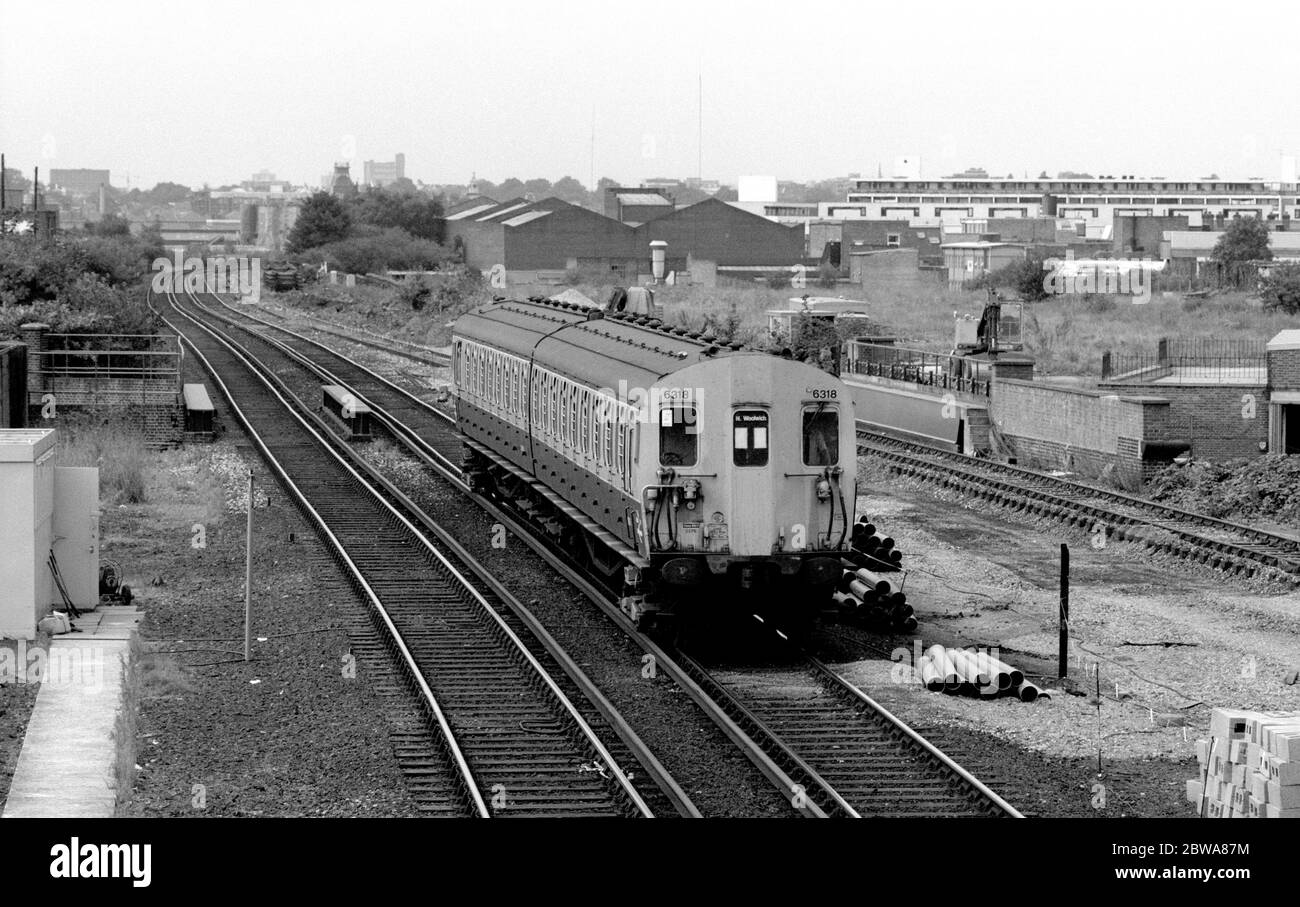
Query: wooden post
[[1063, 643], [248, 576]]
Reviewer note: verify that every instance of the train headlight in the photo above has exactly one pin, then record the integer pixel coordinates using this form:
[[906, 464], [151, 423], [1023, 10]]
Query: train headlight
[[691, 492], [823, 490]]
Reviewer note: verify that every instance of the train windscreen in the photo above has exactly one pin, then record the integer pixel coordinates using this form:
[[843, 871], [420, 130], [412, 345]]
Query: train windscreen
[[821, 435], [678, 436], [749, 428]]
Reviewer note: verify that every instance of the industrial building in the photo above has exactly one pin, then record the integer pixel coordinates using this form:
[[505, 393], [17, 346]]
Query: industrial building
[[381, 173], [79, 183], [533, 241]]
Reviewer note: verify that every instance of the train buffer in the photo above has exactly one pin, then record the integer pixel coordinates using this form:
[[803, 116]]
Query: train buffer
[[349, 411], [198, 411]]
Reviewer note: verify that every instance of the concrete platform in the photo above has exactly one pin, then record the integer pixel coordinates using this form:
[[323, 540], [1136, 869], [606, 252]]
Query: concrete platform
[[78, 754]]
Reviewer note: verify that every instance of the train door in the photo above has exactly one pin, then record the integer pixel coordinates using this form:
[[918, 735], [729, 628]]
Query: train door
[[751, 481]]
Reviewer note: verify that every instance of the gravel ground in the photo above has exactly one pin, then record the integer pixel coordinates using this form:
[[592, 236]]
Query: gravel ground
[[1172, 641], [294, 735]]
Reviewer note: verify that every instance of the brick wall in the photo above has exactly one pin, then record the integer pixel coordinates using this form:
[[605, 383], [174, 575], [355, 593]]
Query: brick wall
[[1223, 422], [870, 235], [1284, 369], [1085, 431]]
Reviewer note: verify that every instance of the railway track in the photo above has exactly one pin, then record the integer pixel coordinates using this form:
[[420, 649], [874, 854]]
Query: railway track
[[1221, 544], [832, 751], [849, 754], [500, 736]]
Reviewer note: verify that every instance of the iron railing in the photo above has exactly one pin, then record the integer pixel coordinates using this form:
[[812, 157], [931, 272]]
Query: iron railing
[[105, 357], [941, 370], [1198, 360]]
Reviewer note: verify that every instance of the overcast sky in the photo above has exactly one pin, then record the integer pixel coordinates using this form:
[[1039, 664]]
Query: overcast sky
[[800, 90]]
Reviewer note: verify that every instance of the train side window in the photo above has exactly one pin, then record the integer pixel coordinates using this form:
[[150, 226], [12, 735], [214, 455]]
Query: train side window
[[553, 416], [749, 436], [585, 423], [535, 401], [821, 435], [573, 417], [679, 439]]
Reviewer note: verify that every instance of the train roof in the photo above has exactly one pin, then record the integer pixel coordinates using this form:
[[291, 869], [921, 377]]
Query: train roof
[[590, 345]]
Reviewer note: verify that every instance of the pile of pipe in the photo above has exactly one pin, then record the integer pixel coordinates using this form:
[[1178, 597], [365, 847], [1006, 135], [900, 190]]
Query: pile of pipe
[[875, 547], [869, 599], [972, 671], [865, 596]]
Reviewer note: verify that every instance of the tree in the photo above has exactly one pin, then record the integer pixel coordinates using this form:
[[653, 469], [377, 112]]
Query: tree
[[323, 219], [510, 188], [1280, 288], [1025, 277], [571, 191], [417, 214], [402, 186], [1244, 239], [537, 188]]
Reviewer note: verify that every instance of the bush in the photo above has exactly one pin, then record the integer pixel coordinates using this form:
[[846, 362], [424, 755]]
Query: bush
[[779, 280], [375, 251], [1281, 288]]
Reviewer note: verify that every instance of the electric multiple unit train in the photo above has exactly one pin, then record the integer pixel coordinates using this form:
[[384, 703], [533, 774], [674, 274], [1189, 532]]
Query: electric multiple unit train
[[703, 471]]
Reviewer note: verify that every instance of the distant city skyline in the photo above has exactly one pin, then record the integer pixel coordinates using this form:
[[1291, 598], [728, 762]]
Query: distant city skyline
[[516, 90]]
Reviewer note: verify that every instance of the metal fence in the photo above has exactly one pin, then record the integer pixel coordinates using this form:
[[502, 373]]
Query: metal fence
[[1199, 360], [107, 357], [941, 370]]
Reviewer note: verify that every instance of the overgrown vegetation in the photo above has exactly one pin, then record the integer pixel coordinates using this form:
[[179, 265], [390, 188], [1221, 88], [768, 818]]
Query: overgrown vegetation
[[1025, 278], [114, 447], [81, 282], [1280, 288], [1266, 488], [372, 232]]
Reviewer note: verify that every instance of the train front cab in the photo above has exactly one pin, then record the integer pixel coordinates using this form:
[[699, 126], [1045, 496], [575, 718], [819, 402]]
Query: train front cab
[[753, 492]]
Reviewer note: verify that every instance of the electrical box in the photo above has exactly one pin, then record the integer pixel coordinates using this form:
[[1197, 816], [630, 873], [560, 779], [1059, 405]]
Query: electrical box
[[51, 517], [27, 530]]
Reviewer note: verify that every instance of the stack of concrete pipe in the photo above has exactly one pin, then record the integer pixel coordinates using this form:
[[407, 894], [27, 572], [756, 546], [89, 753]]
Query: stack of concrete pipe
[[868, 598], [944, 670]]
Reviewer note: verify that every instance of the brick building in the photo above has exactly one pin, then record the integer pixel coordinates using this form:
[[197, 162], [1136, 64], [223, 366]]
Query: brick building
[[1283, 353], [526, 237], [876, 235]]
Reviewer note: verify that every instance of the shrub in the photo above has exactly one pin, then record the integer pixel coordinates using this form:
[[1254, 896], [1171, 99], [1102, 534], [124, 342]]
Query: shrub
[[1281, 288]]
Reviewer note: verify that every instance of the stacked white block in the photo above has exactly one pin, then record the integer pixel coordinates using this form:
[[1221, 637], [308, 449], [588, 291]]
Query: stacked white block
[[1249, 766]]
